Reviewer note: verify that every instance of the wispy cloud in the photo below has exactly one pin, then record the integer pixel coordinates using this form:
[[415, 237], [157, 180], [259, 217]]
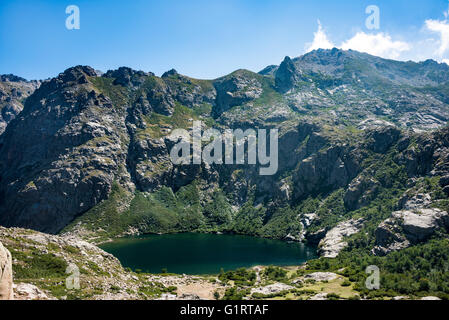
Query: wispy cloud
[[320, 40], [442, 28], [380, 44]]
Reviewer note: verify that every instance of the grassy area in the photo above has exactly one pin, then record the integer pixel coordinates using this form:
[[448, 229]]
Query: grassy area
[[117, 93], [160, 212]]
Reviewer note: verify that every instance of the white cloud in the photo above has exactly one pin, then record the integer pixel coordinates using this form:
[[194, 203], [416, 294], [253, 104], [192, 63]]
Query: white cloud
[[320, 40], [421, 47], [441, 27], [379, 44]]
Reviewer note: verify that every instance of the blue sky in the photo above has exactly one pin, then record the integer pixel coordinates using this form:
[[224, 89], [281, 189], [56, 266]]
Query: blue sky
[[210, 38]]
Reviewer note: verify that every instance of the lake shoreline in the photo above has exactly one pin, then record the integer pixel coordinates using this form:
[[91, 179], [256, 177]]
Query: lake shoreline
[[139, 234], [200, 253]]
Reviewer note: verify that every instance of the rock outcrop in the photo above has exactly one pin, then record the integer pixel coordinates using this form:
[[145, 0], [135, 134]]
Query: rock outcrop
[[319, 296], [6, 281], [334, 242], [286, 75], [272, 288], [321, 276], [236, 89], [381, 139], [330, 169], [28, 291], [416, 201], [406, 227], [360, 192]]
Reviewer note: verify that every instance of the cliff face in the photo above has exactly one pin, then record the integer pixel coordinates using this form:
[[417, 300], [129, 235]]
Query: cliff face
[[6, 286], [62, 153], [90, 153], [13, 92]]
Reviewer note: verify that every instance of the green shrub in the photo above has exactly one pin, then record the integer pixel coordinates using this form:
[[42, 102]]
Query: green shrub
[[275, 273], [346, 283]]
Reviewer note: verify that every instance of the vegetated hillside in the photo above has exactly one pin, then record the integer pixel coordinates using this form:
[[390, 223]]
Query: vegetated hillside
[[359, 168], [42, 263]]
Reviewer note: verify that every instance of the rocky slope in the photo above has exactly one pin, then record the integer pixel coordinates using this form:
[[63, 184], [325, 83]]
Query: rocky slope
[[44, 264]]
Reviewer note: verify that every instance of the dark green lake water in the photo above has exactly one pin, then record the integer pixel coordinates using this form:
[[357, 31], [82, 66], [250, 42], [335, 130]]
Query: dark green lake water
[[195, 253]]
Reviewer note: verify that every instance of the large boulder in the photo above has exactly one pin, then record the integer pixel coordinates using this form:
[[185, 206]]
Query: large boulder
[[28, 291], [6, 287], [421, 224]]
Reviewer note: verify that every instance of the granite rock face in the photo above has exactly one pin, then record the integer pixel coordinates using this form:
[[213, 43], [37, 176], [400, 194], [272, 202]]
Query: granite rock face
[[406, 228], [6, 281], [333, 168], [236, 89], [333, 242], [360, 191], [286, 75], [380, 139]]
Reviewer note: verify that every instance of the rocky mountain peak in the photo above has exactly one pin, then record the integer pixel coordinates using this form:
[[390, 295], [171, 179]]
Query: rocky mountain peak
[[127, 77], [77, 72], [170, 73], [11, 78], [286, 76], [269, 70]]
